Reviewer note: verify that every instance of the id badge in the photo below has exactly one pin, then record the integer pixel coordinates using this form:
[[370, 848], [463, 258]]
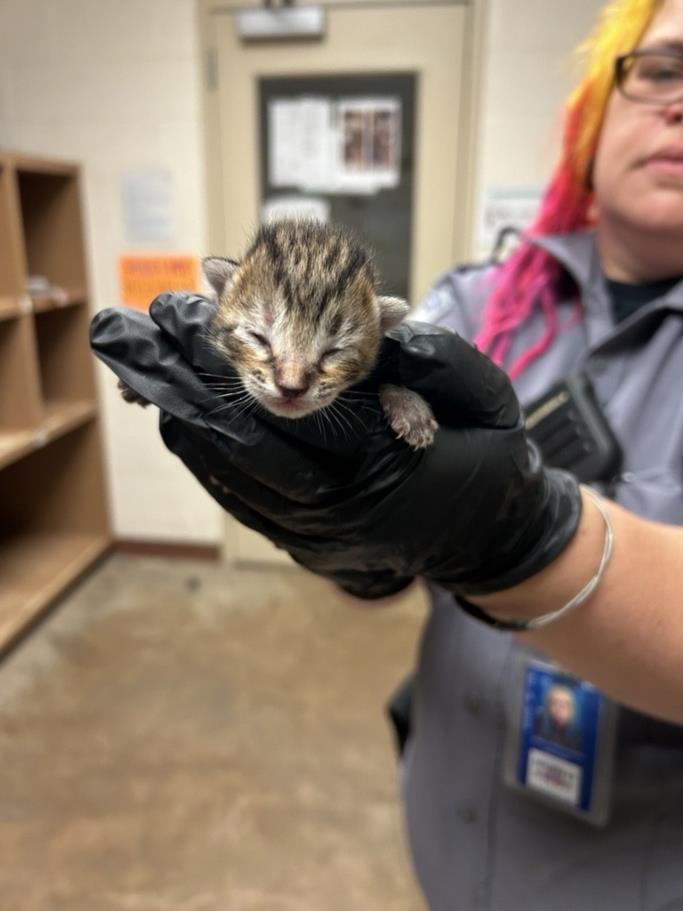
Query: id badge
[[560, 740]]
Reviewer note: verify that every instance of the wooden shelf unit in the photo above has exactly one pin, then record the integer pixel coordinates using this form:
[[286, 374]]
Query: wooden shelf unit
[[53, 514]]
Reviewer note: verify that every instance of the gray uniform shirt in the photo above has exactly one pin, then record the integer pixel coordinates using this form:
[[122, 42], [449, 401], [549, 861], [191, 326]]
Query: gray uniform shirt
[[477, 844]]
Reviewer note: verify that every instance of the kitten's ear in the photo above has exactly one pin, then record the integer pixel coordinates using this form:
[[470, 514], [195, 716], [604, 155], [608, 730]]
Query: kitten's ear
[[391, 311], [218, 272]]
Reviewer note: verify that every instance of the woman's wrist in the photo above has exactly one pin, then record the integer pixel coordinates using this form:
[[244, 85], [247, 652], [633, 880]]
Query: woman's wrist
[[559, 582]]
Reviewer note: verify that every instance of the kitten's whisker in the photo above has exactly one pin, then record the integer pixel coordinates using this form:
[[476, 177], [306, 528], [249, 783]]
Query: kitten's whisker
[[224, 387], [358, 394], [338, 416], [324, 416], [233, 403], [232, 395], [246, 409], [342, 425], [332, 415], [228, 405], [220, 376], [344, 407], [320, 423], [242, 410], [219, 410], [236, 385], [223, 393], [326, 422], [343, 419], [363, 406], [213, 398]]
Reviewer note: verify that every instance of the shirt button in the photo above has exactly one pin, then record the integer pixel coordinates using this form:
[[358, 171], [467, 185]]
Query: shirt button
[[468, 814], [472, 703]]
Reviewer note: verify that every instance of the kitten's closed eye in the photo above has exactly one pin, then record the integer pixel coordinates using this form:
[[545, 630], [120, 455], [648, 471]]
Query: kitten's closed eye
[[330, 353], [260, 339]]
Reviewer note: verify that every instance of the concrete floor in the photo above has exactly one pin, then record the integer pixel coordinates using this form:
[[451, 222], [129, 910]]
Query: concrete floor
[[178, 736]]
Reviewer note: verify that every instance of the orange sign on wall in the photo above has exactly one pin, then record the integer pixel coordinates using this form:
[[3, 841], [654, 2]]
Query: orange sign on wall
[[142, 276]]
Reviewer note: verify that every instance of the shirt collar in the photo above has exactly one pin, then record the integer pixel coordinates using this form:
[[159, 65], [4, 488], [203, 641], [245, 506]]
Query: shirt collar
[[578, 253]]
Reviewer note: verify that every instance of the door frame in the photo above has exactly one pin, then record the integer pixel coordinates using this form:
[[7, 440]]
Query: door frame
[[472, 93]]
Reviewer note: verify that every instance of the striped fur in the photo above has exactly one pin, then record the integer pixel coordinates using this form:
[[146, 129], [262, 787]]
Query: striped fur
[[300, 310]]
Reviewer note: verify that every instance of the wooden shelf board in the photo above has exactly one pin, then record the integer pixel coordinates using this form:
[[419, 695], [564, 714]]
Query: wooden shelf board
[[60, 418], [45, 304], [33, 164], [37, 566], [11, 306], [14, 444]]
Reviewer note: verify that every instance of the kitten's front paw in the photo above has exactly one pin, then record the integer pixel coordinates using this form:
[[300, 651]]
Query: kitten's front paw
[[409, 416], [421, 435]]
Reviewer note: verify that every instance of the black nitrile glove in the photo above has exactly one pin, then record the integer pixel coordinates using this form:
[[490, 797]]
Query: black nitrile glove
[[476, 512]]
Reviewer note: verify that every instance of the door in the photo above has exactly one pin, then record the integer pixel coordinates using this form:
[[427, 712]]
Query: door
[[415, 55]]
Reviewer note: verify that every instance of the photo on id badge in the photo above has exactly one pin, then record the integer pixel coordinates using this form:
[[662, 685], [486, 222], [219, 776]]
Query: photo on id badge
[[561, 741]]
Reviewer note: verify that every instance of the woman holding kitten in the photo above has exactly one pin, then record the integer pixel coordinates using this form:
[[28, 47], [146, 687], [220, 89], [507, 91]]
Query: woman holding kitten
[[500, 816], [596, 288]]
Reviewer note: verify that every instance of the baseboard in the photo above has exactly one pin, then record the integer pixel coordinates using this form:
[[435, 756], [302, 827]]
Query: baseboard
[[170, 549]]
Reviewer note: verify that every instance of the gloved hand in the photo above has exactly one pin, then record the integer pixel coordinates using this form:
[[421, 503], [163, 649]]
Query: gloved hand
[[476, 512]]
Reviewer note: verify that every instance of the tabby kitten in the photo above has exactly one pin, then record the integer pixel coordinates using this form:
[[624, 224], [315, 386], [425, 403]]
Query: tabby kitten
[[300, 320]]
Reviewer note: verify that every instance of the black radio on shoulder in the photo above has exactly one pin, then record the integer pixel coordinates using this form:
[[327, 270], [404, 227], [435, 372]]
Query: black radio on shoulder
[[571, 431]]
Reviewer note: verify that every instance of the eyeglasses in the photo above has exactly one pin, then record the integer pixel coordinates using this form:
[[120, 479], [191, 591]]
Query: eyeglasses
[[651, 77]]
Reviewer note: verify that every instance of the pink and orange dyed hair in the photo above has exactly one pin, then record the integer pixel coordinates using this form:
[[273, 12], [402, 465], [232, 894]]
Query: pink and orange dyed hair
[[531, 278]]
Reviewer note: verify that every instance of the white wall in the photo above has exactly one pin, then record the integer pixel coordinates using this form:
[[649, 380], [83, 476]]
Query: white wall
[[529, 71], [116, 85]]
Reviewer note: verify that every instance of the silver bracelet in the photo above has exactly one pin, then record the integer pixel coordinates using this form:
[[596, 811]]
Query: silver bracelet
[[576, 601], [592, 584]]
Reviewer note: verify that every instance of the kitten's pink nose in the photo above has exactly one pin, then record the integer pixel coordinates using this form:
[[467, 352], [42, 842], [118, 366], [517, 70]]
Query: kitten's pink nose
[[292, 392]]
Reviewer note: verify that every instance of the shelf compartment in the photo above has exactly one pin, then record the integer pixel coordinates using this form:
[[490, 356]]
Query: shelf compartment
[[58, 487], [64, 358], [34, 569], [50, 213], [20, 402], [59, 418], [53, 524]]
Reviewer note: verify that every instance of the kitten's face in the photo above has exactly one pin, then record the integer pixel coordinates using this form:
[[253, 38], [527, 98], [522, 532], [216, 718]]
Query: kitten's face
[[290, 368], [290, 362]]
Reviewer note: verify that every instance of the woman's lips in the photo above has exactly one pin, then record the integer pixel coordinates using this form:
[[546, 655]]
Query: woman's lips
[[666, 163]]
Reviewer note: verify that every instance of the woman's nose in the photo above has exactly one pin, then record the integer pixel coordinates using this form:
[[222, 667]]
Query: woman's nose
[[673, 113]]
